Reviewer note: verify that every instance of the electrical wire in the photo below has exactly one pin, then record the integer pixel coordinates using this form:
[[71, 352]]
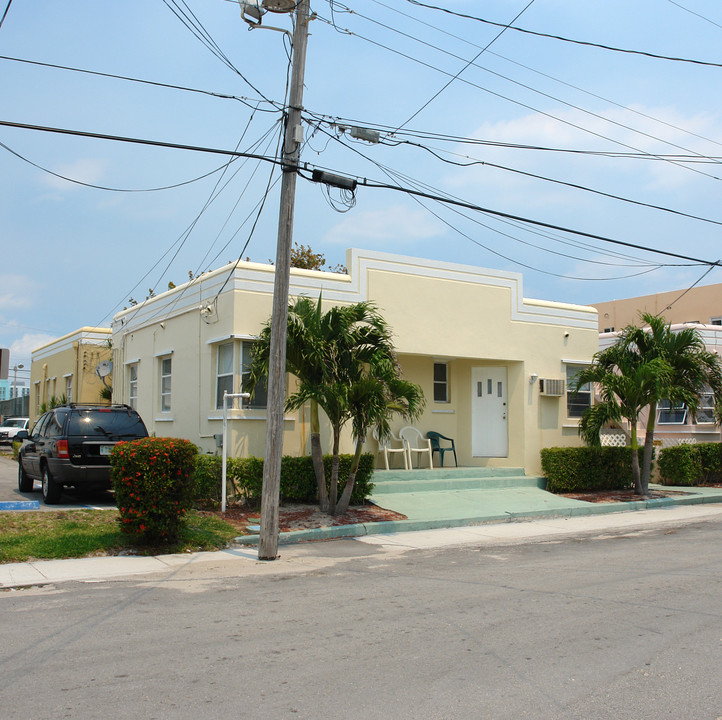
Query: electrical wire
[[567, 40], [113, 189], [575, 186], [183, 237], [249, 102], [468, 64], [7, 7], [519, 103], [692, 12], [520, 84], [200, 33], [693, 285], [437, 29], [137, 141], [460, 140]]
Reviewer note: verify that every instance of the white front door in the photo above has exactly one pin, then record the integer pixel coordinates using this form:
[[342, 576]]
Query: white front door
[[489, 412]]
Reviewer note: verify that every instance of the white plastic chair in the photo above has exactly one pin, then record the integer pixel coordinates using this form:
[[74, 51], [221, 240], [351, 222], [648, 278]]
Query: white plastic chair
[[385, 448], [415, 442]]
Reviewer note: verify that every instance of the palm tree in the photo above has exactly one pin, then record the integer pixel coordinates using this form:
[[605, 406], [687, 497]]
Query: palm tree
[[625, 387], [691, 366], [374, 397], [648, 364], [345, 364], [306, 338]]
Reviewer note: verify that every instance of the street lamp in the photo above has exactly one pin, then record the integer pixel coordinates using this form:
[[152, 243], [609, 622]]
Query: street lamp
[[15, 387]]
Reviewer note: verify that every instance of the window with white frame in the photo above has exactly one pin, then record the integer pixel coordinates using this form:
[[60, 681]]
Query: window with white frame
[[441, 382], [166, 367], [705, 408], [716, 320], [260, 395], [577, 402], [69, 388], [133, 385], [224, 372], [37, 397], [671, 413]]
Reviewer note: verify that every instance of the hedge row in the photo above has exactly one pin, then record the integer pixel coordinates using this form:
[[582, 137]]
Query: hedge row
[[691, 464], [588, 469], [244, 478]]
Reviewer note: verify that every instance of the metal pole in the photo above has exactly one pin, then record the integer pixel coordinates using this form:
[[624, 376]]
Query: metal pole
[[224, 440], [268, 539]]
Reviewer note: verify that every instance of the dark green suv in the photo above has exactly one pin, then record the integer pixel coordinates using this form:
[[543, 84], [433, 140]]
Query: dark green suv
[[70, 445]]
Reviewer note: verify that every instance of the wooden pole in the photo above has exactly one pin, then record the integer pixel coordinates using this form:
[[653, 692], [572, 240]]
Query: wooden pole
[[268, 539]]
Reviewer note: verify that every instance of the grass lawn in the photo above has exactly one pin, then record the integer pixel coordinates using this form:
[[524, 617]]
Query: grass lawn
[[53, 535]]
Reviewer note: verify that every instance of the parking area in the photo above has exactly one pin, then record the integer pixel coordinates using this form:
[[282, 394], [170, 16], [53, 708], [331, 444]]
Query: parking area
[[71, 498]]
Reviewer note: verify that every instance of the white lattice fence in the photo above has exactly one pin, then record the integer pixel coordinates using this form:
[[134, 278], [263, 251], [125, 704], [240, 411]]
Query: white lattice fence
[[613, 438], [674, 441]]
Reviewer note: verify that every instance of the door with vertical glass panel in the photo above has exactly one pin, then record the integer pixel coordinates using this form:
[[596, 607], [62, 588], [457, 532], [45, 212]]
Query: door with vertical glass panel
[[489, 412]]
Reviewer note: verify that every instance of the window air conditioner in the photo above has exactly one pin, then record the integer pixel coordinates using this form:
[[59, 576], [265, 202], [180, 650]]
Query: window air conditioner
[[551, 388]]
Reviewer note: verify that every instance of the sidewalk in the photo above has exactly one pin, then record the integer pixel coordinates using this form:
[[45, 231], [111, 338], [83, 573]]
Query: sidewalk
[[312, 556]]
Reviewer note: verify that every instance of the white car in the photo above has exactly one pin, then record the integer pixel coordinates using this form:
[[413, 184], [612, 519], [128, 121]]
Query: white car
[[10, 427]]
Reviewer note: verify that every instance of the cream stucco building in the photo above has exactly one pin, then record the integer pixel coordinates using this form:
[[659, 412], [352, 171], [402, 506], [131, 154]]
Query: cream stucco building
[[479, 349], [66, 368]]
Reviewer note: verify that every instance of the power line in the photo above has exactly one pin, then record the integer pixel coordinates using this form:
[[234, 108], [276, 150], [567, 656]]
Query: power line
[[468, 64], [566, 39], [249, 102], [516, 102], [461, 140], [593, 236], [137, 141], [520, 84], [566, 183], [111, 189], [437, 29], [7, 7], [362, 181], [692, 12]]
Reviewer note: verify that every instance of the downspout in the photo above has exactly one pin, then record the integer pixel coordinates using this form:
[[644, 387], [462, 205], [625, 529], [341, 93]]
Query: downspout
[[76, 384]]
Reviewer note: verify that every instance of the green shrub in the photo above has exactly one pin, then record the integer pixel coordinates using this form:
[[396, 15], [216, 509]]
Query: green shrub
[[691, 464], [153, 479], [588, 469], [244, 479]]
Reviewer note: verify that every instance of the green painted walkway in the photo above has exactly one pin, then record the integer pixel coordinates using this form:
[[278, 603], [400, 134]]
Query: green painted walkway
[[457, 497]]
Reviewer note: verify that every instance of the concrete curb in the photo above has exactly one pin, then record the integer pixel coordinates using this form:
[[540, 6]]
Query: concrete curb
[[397, 526]]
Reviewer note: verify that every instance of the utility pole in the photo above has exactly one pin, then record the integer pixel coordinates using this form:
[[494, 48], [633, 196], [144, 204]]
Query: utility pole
[[293, 136]]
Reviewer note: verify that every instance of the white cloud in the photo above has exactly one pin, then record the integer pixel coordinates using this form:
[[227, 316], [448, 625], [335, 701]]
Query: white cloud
[[15, 293], [398, 223], [653, 130], [84, 170], [21, 349]]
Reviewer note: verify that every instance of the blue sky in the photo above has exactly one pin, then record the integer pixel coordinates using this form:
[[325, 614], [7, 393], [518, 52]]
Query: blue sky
[[73, 255]]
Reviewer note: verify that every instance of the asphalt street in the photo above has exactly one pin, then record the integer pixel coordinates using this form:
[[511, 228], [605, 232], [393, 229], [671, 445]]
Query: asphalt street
[[71, 498], [613, 624]]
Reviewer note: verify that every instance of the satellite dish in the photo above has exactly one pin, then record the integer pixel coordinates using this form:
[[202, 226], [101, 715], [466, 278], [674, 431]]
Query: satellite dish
[[280, 6], [104, 368]]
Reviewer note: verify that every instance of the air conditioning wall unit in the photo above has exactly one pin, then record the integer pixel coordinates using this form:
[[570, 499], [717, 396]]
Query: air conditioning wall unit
[[552, 387]]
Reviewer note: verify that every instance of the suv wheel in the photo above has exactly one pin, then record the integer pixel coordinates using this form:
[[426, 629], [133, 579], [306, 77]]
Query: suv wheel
[[25, 482], [51, 489]]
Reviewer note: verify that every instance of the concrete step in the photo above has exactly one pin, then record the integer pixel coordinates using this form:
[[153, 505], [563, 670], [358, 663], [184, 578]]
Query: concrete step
[[415, 481]]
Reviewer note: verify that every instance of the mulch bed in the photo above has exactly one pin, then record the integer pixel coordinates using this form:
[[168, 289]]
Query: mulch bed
[[616, 496], [304, 517]]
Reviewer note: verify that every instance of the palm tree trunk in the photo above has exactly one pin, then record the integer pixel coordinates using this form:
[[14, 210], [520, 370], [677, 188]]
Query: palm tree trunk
[[648, 448], [333, 494], [317, 458], [345, 500], [635, 459]]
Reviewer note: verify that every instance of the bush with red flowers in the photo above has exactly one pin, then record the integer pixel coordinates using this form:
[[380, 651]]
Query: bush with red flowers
[[154, 486]]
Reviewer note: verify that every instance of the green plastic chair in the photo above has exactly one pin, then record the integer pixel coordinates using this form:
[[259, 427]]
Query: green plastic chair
[[436, 438]]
